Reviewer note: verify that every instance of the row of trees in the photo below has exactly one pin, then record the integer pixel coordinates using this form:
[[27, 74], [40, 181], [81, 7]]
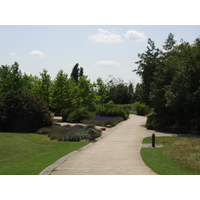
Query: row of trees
[[171, 83], [66, 91]]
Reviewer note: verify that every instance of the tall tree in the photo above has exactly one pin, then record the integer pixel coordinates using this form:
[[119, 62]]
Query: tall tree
[[163, 75], [101, 92], [146, 68], [86, 92], [81, 72], [10, 78], [43, 86], [169, 43], [75, 72], [118, 91], [60, 91]]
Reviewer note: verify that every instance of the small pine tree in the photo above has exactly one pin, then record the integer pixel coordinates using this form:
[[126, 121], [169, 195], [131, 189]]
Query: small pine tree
[[75, 72]]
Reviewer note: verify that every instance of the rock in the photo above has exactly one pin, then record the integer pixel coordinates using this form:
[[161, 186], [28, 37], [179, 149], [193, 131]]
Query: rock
[[108, 126]]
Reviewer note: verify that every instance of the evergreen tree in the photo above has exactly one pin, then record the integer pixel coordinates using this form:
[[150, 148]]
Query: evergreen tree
[[60, 91], [146, 69], [75, 72]]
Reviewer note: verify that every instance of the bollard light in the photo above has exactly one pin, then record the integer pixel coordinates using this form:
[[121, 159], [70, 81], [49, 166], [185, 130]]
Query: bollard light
[[153, 140]]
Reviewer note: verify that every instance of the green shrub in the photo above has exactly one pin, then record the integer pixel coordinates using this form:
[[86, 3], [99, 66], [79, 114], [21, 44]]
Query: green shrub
[[65, 113], [141, 108], [151, 121], [22, 112], [115, 112], [159, 122], [78, 115]]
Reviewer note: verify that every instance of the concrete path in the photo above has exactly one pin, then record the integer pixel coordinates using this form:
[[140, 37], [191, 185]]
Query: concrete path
[[117, 153]]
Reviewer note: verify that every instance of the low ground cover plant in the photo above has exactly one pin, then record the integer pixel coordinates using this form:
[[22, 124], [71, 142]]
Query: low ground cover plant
[[71, 133], [103, 121], [179, 156]]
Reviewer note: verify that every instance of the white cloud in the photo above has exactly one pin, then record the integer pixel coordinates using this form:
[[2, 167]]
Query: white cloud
[[106, 36], [108, 62], [37, 53], [135, 36]]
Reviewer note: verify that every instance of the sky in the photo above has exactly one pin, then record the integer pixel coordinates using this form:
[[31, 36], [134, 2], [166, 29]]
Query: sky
[[103, 51]]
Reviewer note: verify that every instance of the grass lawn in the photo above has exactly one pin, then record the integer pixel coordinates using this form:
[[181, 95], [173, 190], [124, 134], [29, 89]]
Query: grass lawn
[[179, 156], [29, 154]]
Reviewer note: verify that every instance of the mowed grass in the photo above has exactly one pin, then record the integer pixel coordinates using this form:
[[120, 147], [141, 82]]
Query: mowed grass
[[179, 156], [29, 154]]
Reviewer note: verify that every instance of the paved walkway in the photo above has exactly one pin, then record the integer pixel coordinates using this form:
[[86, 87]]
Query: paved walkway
[[117, 153]]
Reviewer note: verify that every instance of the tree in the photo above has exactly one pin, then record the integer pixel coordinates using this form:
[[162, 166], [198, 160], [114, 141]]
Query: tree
[[86, 93], [81, 72], [118, 91], [138, 92], [77, 72], [73, 100], [169, 43], [10, 78], [146, 68], [182, 95], [101, 92], [60, 91], [131, 92], [42, 86], [174, 89]]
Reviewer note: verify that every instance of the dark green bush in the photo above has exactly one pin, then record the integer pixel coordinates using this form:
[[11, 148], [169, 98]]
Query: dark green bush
[[158, 122], [22, 112], [78, 115], [114, 112], [141, 108], [65, 113], [151, 121]]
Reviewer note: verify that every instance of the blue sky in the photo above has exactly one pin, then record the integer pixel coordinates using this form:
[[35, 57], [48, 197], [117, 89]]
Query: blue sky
[[100, 50]]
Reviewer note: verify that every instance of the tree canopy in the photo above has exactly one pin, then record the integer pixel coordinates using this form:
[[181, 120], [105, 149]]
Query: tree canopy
[[171, 82]]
